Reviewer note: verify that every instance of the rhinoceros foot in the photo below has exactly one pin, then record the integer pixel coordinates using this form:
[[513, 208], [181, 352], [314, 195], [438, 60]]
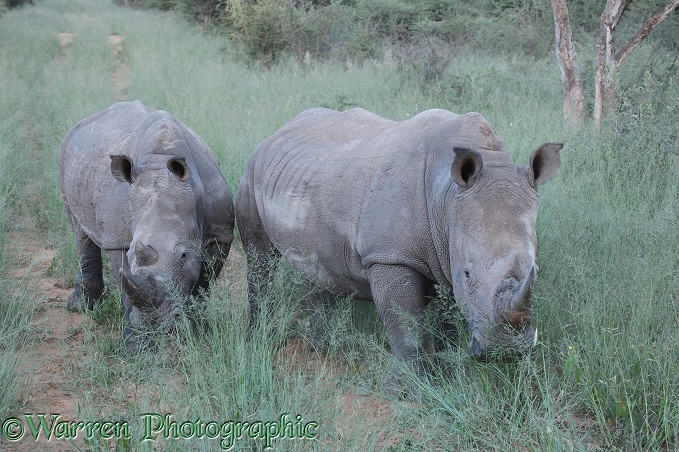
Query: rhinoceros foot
[[83, 299], [402, 385]]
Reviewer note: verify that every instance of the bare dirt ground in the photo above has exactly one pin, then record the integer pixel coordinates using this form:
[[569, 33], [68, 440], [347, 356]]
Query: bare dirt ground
[[55, 349]]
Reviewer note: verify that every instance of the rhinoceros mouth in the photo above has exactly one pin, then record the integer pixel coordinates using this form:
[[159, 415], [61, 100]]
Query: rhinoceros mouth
[[504, 344], [149, 295]]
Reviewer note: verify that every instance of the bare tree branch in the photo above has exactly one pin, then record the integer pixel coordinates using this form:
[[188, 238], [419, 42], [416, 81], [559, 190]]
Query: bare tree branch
[[618, 8], [644, 31]]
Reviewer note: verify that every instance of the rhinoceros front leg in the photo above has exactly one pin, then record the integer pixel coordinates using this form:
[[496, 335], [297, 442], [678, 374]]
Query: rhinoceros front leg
[[399, 293], [90, 283], [262, 257], [133, 338], [213, 257], [261, 264]]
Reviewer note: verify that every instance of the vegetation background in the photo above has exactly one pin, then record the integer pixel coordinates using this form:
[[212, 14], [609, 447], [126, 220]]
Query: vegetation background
[[605, 375]]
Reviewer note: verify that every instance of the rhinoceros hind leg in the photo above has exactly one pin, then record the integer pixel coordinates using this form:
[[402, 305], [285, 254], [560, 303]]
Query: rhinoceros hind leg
[[261, 268], [262, 256], [262, 261], [89, 286], [319, 306]]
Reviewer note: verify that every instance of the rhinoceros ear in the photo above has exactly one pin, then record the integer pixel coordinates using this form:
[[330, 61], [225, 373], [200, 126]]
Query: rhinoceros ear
[[121, 168], [467, 164], [545, 162]]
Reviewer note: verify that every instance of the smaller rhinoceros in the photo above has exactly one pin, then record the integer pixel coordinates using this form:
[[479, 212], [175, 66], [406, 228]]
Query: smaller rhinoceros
[[385, 211], [141, 185]]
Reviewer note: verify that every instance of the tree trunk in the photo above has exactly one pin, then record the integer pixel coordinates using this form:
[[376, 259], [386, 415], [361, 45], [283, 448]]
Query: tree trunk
[[573, 92], [608, 62], [605, 93]]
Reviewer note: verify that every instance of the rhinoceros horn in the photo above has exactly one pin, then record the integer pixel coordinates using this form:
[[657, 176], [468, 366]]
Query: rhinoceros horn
[[145, 254], [522, 300], [145, 292]]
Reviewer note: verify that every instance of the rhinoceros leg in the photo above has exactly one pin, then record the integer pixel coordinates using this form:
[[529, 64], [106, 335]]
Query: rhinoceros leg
[[262, 264], [446, 337], [445, 332], [262, 257], [212, 263], [399, 293], [319, 307], [90, 283], [132, 338]]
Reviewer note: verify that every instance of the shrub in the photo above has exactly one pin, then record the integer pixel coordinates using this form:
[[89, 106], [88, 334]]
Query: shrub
[[269, 28], [203, 11], [15, 3], [260, 27], [163, 5]]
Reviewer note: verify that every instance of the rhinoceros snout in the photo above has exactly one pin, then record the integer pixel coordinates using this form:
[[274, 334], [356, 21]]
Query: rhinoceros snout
[[506, 344], [144, 290]]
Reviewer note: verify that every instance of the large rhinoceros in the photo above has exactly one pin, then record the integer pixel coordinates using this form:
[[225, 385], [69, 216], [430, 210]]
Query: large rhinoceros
[[384, 211], [141, 185]]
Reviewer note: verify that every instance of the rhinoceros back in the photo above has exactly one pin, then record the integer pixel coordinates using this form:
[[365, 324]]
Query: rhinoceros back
[[339, 191], [307, 184]]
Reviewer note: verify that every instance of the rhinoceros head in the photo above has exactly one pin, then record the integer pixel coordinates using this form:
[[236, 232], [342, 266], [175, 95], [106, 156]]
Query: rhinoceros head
[[167, 209], [493, 245]]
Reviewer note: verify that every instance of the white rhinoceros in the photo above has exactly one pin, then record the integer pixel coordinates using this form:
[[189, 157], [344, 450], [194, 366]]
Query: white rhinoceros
[[141, 185], [384, 211]]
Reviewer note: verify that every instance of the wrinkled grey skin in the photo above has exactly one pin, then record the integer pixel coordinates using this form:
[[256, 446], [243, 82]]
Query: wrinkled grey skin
[[141, 185], [384, 211]]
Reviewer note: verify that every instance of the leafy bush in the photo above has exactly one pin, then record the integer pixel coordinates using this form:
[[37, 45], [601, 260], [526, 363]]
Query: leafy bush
[[424, 34], [14, 3], [261, 27], [203, 11], [269, 28], [129, 3], [163, 5]]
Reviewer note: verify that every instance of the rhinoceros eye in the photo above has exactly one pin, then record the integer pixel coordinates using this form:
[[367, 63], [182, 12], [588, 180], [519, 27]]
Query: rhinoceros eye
[[466, 273]]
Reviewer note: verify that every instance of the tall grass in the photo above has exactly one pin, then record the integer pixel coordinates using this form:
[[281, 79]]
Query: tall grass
[[605, 373], [16, 307], [613, 275]]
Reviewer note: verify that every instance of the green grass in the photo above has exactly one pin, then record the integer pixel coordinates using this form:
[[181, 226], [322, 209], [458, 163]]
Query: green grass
[[16, 311], [605, 373]]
